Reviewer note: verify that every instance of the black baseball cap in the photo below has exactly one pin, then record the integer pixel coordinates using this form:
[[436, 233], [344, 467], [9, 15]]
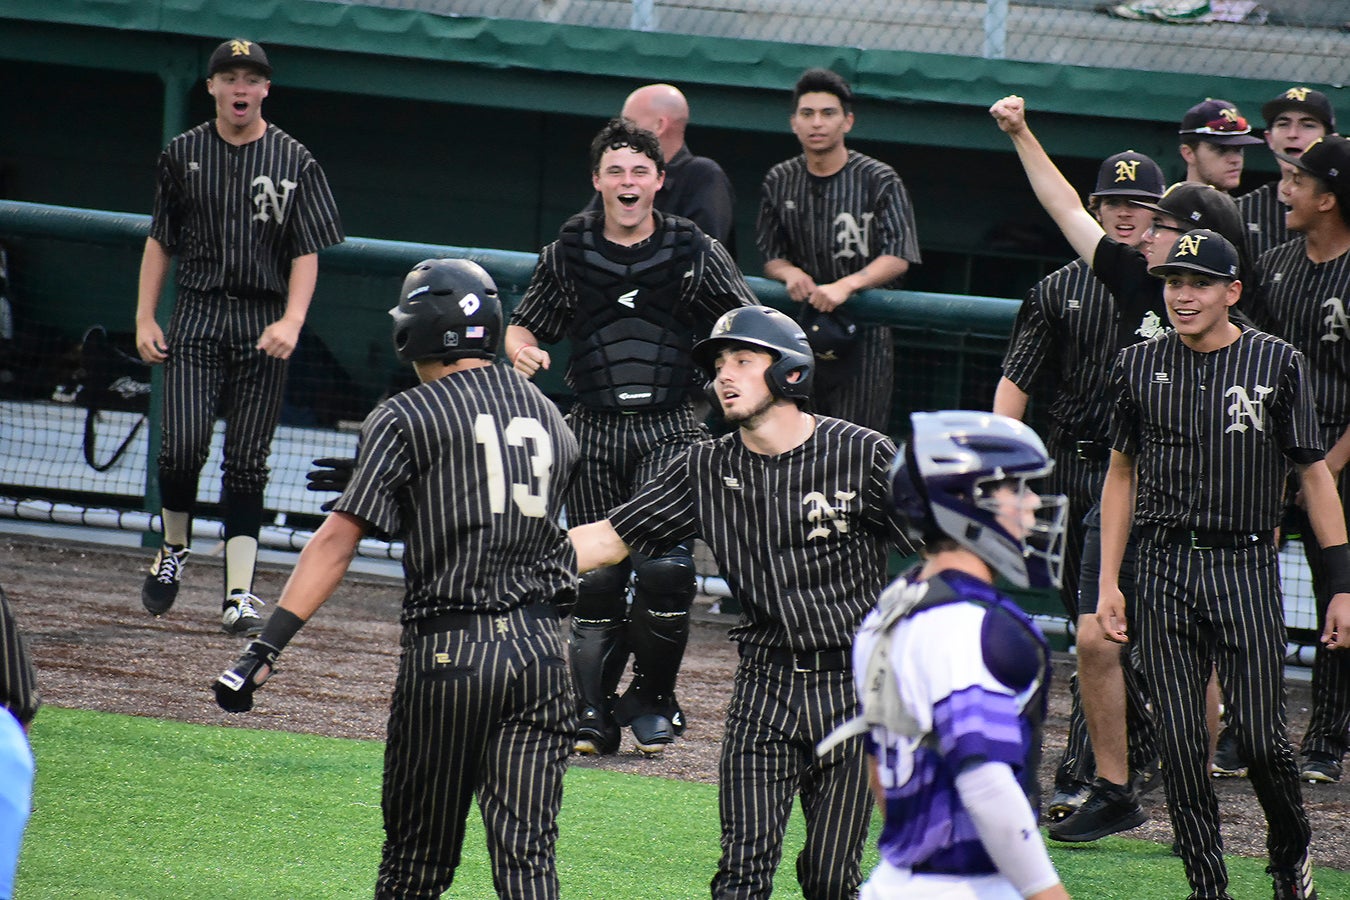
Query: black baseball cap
[[1204, 251], [1129, 174], [1329, 159], [239, 52], [1199, 206], [1301, 99], [830, 334], [1218, 122]]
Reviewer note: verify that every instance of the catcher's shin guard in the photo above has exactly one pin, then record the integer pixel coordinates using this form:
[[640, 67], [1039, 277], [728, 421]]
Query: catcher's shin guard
[[598, 655], [658, 632]]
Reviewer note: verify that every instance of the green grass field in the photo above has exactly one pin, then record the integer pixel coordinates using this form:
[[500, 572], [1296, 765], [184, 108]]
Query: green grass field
[[140, 808]]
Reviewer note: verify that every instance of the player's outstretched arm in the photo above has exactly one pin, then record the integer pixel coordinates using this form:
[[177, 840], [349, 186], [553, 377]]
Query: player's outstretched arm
[[322, 564], [597, 545], [1052, 189], [1117, 515]]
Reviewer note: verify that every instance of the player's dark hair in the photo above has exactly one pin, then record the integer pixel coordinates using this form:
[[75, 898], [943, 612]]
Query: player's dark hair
[[823, 81], [619, 133]]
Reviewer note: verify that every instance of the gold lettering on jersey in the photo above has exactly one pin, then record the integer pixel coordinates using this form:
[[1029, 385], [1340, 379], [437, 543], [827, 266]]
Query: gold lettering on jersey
[[1299, 94], [852, 239], [1244, 409], [441, 659], [1335, 320], [503, 626], [822, 513], [240, 48], [1189, 244], [1127, 169], [270, 202]]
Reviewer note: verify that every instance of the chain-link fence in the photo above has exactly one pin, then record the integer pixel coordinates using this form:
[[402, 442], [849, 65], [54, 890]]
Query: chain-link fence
[[1282, 40]]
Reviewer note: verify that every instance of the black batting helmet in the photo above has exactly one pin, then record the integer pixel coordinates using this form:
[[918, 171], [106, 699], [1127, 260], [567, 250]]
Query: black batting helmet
[[768, 329], [448, 309]]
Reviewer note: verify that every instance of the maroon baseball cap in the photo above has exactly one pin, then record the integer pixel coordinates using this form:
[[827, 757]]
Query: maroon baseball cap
[[239, 52], [1218, 122]]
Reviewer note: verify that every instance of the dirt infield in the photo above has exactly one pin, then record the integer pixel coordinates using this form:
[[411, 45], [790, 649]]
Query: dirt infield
[[95, 648]]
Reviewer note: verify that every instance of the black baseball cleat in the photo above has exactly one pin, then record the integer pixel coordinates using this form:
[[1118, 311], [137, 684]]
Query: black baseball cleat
[[1319, 767], [653, 733], [597, 735], [238, 615], [1066, 800], [161, 585], [1109, 808]]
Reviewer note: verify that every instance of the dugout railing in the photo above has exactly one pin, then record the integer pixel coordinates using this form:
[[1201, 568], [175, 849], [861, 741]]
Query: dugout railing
[[70, 269]]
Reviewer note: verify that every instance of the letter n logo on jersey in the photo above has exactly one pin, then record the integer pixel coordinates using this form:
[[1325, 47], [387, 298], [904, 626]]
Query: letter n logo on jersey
[[271, 203], [852, 239], [822, 513], [1244, 409], [1335, 320]]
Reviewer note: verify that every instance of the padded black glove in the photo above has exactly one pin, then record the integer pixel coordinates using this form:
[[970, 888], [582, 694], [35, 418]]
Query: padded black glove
[[235, 686], [333, 474]]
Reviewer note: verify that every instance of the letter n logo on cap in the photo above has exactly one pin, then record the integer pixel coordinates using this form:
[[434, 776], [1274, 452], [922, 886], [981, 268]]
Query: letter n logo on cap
[[1189, 245], [1126, 169]]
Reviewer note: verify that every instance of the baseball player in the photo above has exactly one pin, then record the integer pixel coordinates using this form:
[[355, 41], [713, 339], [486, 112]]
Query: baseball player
[[695, 187], [1294, 120], [833, 222], [1208, 421], [1138, 295], [469, 468], [246, 209], [1302, 285], [794, 508], [1067, 333], [633, 289], [952, 674], [1214, 135], [19, 702]]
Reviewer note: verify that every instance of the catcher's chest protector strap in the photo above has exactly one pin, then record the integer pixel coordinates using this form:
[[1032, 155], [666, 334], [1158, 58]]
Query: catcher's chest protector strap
[[1014, 652]]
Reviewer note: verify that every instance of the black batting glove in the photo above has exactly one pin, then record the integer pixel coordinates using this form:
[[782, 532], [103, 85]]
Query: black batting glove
[[333, 474], [235, 686]]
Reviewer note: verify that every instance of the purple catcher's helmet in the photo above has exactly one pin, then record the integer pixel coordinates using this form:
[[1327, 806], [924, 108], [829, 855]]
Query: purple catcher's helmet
[[943, 479]]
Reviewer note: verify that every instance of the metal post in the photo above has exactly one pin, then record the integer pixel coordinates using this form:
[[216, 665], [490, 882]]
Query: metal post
[[995, 29]]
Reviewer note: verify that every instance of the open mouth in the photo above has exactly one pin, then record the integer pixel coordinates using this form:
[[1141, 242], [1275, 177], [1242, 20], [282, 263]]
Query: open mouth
[[240, 106], [628, 200]]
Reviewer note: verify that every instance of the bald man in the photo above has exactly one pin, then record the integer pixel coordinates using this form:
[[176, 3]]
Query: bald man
[[696, 187]]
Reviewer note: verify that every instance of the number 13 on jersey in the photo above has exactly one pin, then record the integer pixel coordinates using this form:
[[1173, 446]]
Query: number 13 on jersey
[[531, 498]]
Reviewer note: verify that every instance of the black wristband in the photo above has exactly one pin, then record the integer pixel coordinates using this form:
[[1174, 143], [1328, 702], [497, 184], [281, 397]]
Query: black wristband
[[280, 628], [1336, 561]]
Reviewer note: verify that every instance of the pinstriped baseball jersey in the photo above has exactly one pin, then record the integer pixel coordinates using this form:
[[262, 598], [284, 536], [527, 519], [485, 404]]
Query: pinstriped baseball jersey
[[471, 469], [833, 226], [1263, 212], [236, 216], [1213, 434], [1304, 303], [801, 537], [1063, 331]]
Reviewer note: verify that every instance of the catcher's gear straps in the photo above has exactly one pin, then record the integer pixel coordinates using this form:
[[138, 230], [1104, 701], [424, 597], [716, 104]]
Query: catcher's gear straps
[[1014, 651]]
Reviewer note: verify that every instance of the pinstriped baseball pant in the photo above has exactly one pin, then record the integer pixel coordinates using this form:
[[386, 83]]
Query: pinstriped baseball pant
[[483, 710], [775, 718], [865, 398], [1198, 608], [214, 368], [1331, 669]]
